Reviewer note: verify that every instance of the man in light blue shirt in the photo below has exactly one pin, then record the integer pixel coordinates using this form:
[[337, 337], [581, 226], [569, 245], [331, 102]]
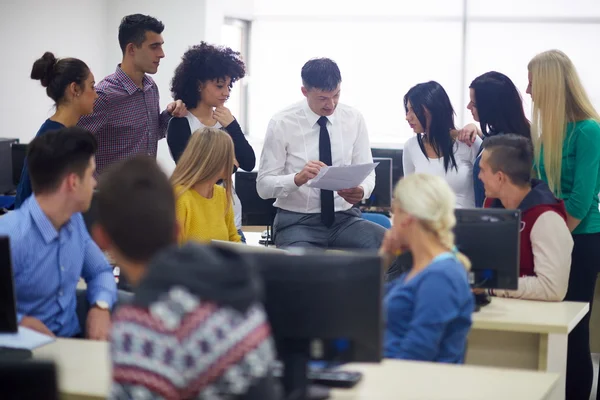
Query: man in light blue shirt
[[50, 245]]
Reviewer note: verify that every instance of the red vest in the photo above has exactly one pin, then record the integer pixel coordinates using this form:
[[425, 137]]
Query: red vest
[[528, 218]]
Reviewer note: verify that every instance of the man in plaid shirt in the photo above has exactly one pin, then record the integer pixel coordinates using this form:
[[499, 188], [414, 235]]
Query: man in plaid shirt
[[127, 119]]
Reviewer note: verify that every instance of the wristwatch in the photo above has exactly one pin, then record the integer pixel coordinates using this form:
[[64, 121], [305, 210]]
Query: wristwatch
[[103, 305]]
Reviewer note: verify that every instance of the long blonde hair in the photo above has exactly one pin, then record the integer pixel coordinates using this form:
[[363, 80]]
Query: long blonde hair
[[430, 200], [207, 155], [558, 98]]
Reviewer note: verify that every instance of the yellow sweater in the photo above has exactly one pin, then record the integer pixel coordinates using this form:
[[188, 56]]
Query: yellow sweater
[[202, 220]]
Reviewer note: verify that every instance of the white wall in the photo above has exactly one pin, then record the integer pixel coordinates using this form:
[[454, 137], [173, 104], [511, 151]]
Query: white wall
[[68, 28], [88, 29]]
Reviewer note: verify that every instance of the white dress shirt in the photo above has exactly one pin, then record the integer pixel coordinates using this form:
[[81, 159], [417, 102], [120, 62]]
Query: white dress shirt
[[460, 179], [292, 139]]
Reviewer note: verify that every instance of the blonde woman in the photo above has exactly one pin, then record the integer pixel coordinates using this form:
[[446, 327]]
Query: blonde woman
[[566, 133], [429, 307], [204, 209]]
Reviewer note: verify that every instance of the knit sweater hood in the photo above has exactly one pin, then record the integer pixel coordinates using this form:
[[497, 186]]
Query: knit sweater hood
[[214, 274]]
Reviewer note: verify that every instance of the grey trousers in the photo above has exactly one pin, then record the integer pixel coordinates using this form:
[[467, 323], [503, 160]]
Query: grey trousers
[[349, 231], [83, 306]]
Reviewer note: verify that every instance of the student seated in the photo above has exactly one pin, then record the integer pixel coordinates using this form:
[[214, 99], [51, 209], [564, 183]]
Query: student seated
[[204, 209], [546, 243], [429, 307], [195, 328], [50, 245]]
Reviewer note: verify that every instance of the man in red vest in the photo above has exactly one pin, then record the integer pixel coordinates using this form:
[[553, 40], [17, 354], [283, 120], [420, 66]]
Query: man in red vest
[[546, 243]]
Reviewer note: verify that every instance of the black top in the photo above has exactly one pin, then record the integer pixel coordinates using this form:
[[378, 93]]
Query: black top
[[179, 133]]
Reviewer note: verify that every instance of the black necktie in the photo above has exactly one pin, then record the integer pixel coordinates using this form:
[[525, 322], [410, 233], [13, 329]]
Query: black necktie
[[327, 210]]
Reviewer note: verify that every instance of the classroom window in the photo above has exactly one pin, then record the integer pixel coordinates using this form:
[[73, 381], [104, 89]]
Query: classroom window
[[235, 34]]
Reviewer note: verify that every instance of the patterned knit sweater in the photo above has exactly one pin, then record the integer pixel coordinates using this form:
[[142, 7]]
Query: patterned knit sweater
[[175, 345]]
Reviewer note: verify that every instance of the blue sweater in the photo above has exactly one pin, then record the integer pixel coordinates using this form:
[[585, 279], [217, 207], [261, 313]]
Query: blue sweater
[[24, 188], [429, 317]]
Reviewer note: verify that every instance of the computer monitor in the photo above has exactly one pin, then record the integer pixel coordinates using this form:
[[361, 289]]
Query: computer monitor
[[490, 238], [255, 210], [28, 380], [18, 151], [381, 196], [321, 306], [396, 156], [6, 179], [8, 303]]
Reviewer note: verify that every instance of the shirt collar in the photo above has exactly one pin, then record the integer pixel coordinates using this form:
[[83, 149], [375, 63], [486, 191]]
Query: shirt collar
[[128, 83], [314, 117], [49, 233]]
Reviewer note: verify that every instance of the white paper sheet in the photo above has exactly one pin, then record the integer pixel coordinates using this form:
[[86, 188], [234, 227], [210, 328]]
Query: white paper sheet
[[338, 178], [24, 339]]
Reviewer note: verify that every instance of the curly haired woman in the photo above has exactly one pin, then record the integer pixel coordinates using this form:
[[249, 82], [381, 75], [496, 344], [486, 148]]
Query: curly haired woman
[[203, 81]]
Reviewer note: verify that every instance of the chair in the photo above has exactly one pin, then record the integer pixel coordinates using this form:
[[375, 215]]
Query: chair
[[379, 219], [255, 210]]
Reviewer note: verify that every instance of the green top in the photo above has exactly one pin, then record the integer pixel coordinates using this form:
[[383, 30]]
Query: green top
[[580, 174]]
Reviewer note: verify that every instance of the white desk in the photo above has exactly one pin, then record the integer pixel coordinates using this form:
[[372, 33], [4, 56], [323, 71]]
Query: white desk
[[84, 373], [524, 334]]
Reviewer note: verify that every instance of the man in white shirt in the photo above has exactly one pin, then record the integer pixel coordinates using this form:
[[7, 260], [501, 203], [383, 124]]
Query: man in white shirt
[[546, 242], [300, 140]]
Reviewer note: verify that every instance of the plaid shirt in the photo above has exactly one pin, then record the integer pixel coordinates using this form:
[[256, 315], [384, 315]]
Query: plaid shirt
[[126, 120]]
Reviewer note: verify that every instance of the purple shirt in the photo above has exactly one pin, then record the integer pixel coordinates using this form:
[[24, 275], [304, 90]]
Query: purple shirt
[[126, 120]]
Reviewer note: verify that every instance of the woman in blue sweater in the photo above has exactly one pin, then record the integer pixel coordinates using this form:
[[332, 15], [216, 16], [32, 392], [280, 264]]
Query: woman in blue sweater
[[495, 102], [429, 307], [70, 84]]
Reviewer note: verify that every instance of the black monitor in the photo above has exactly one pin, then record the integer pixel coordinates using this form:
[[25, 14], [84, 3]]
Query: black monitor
[[396, 156], [28, 380], [255, 210], [323, 306], [491, 239], [381, 197], [18, 152], [6, 178], [8, 304]]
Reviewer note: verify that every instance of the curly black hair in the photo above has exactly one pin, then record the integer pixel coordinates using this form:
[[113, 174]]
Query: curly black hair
[[201, 63]]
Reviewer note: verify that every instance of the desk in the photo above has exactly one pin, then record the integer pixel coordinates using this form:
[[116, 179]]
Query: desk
[[524, 334], [84, 373]]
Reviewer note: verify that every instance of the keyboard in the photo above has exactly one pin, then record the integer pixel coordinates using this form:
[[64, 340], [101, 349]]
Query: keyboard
[[11, 354], [327, 377]]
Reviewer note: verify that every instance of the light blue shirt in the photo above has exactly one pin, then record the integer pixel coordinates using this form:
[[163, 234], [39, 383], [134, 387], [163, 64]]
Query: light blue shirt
[[47, 265], [429, 317]]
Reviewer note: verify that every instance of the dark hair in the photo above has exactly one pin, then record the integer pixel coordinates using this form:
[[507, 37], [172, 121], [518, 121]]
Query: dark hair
[[54, 155], [133, 29], [321, 73], [56, 75], [432, 96], [513, 155], [499, 105], [203, 63], [136, 207]]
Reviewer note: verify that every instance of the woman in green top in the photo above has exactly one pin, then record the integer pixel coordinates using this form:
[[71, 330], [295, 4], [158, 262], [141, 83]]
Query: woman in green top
[[566, 132]]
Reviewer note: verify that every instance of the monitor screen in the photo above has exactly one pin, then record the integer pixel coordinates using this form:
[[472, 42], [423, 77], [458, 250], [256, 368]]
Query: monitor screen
[[8, 305], [18, 152], [491, 239], [396, 156]]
